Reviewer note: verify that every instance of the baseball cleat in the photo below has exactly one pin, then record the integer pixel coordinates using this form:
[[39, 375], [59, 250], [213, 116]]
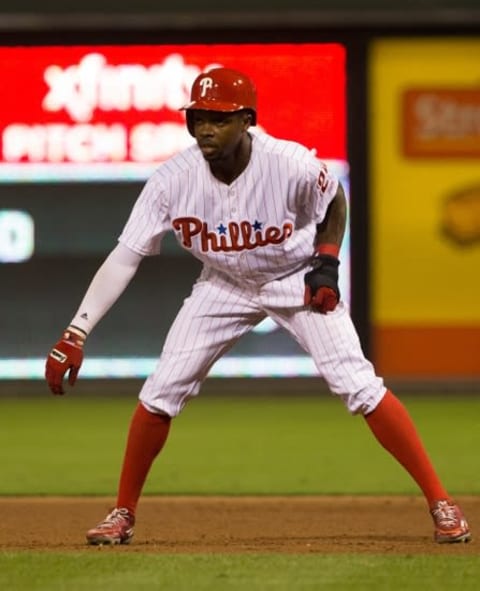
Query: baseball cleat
[[116, 528], [450, 524]]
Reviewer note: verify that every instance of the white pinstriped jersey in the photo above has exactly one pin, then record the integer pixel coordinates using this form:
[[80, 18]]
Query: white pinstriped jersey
[[257, 229]]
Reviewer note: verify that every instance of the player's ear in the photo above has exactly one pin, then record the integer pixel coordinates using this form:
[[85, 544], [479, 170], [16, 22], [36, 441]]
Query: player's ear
[[247, 119]]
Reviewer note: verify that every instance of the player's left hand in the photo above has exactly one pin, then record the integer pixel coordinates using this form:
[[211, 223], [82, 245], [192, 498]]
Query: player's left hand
[[321, 284], [66, 355]]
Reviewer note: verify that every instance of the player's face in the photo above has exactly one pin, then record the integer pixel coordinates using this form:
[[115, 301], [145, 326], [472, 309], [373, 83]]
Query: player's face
[[218, 134]]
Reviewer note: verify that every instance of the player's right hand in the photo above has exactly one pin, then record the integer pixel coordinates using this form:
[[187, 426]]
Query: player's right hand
[[66, 355]]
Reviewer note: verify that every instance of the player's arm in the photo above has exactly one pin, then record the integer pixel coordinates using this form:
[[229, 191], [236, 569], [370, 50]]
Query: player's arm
[[107, 285], [321, 283], [332, 229]]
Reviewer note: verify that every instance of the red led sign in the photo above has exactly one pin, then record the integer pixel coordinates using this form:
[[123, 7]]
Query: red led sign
[[115, 108]]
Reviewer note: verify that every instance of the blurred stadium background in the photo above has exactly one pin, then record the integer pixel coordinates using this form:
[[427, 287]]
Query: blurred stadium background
[[387, 92]]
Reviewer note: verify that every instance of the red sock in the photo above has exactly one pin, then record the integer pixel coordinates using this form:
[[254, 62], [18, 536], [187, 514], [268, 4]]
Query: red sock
[[146, 437], [394, 429]]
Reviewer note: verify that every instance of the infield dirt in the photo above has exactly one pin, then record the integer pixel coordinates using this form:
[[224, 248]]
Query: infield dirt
[[323, 524]]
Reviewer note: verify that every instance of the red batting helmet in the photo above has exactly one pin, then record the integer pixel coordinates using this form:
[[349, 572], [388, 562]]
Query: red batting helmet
[[222, 89]]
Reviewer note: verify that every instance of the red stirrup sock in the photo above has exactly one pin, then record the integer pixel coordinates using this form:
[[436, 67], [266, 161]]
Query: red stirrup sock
[[146, 437], [393, 427]]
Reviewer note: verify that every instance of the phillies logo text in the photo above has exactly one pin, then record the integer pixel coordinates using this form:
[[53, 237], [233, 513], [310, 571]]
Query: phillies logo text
[[233, 236]]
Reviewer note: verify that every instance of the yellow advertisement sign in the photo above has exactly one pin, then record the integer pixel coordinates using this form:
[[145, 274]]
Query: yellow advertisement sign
[[425, 157]]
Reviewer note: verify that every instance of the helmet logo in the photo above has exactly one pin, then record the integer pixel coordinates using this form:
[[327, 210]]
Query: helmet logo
[[206, 83]]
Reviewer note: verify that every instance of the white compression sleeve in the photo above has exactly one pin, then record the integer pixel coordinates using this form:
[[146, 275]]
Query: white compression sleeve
[[109, 282]]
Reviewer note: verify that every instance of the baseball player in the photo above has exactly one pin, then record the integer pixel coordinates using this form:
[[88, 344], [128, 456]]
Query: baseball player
[[266, 218]]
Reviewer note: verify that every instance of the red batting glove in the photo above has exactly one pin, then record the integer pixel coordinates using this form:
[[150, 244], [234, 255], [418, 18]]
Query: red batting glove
[[66, 355], [325, 299]]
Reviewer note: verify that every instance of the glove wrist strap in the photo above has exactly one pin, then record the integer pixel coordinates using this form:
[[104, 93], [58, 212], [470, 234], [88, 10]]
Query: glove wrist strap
[[75, 335], [77, 330], [328, 248]]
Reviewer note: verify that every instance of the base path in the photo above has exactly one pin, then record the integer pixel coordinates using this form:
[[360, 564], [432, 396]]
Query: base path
[[300, 524]]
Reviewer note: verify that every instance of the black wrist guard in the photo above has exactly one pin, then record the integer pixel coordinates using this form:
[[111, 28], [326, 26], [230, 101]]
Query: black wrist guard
[[323, 274]]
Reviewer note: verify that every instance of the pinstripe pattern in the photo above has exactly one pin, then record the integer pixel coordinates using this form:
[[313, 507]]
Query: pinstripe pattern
[[279, 185], [220, 311], [332, 342], [209, 323], [255, 237]]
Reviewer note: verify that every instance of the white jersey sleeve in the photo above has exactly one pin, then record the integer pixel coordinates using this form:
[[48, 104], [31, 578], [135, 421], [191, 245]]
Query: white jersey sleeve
[[149, 219], [320, 188]]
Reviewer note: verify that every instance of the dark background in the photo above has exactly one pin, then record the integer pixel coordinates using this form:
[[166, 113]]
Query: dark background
[[39, 297]]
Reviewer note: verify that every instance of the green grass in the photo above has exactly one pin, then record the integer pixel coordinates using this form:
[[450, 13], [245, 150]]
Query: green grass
[[232, 445], [259, 445], [259, 572]]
